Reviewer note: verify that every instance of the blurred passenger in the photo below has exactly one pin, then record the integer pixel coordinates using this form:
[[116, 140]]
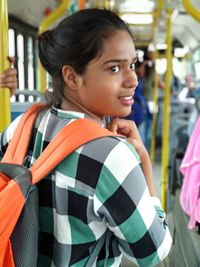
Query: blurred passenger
[[188, 90], [190, 168], [139, 107], [175, 86], [146, 126], [142, 113]]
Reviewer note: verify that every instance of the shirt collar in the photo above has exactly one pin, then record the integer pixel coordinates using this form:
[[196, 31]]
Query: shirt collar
[[69, 114]]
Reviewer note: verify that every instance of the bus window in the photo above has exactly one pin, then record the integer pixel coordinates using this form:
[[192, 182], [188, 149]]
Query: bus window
[[197, 68], [20, 52], [11, 34], [12, 53], [30, 67], [197, 64]]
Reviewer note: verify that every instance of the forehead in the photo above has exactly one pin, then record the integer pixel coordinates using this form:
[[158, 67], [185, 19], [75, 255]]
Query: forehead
[[119, 44]]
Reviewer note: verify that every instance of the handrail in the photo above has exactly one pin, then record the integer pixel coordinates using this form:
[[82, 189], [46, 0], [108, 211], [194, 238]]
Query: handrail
[[142, 43], [149, 25], [27, 92], [5, 93], [166, 111], [49, 20], [191, 10], [143, 35], [44, 25], [160, 7], [153, 13], [155, 88], [155, 101]]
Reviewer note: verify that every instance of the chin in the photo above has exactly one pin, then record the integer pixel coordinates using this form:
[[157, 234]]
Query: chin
[[124, 114], [121, 113]]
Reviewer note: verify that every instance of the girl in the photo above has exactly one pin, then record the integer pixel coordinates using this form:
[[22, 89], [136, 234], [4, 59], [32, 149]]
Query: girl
[[97, 204]]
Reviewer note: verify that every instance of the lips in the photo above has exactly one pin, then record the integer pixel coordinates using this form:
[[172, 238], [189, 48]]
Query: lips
[[126, 97], [126, 100]]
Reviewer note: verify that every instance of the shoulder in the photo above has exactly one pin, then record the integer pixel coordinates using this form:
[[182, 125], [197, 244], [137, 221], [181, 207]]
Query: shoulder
[[9, 131], [112, 152]]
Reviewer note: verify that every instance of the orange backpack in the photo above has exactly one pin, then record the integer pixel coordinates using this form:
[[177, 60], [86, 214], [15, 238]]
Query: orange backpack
[[18, 193]]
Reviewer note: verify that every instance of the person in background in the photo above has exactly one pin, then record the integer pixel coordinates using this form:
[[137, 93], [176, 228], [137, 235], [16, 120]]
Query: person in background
[[99, 202], [140, 104], [141, 114], [188, 90], [8, 78]]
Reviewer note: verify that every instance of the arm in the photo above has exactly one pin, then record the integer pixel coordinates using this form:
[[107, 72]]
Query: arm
[[130, 212], [129, 129]]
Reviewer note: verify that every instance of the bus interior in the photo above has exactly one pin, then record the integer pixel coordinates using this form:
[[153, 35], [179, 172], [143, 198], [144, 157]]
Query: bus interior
[[166, 35]]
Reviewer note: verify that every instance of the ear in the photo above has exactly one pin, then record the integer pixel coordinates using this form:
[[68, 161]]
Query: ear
[[71, 78]]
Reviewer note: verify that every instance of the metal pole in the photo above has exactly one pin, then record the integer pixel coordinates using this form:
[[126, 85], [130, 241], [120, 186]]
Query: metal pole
[[193, 11], [166, 111], [48, 21], [5, 115], [155, 102]]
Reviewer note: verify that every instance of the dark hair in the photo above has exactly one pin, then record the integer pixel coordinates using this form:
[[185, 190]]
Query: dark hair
[[76, 41]]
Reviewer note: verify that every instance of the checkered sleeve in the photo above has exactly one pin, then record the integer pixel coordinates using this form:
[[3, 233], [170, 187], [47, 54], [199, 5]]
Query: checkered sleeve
[[123, 198], [6, 136]]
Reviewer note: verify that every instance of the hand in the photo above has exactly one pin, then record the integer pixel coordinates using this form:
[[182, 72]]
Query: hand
[[8, 78], [129, 129]]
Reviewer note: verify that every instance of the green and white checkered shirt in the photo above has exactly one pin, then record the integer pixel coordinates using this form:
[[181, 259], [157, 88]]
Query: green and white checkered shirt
[[95, 205]]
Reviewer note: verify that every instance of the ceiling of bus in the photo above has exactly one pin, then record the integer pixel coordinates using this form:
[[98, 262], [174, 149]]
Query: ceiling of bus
[[185, 28]]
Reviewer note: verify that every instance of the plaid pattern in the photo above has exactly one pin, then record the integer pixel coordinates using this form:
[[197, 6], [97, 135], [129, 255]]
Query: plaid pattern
[[95, 205]]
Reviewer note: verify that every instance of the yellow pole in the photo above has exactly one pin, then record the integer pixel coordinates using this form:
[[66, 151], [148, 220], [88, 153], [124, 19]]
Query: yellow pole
[[42, 79], [48, 21], [160, 5], [153, 13], [166, 111], [4, 93], [97, 3], [155, 101], [107, 4], [191, 9]]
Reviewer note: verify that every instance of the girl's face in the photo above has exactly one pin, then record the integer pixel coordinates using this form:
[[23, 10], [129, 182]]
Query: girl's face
[[109, 83]]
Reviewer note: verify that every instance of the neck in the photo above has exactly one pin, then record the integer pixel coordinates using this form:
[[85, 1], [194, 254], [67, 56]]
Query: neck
[[69, 103]]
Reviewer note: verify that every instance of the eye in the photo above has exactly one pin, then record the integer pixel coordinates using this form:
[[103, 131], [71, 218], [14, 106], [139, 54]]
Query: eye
[[115, 69], [132, 66]]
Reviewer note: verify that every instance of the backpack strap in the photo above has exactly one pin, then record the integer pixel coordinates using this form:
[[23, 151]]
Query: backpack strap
[[66, 141], [18, 145]]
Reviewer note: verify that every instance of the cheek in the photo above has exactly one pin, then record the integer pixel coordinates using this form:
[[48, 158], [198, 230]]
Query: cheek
[[101, 88]]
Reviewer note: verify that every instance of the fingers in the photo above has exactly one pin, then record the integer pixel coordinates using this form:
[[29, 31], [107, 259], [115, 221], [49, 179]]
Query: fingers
[[11, 60], [129, 129], [124, 127], [114, 126], [8, 79], [8, 72]]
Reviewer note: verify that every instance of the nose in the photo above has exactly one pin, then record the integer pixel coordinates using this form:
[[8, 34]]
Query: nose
[[130, 80]]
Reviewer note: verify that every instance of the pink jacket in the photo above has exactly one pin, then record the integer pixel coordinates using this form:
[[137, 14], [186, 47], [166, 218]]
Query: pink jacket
[[190, 168]]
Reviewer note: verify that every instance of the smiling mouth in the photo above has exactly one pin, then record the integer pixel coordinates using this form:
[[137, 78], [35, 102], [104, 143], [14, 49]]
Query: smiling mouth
[[126, 100], [126, 97]]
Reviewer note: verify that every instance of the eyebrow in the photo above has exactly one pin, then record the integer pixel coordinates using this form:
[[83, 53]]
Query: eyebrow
[[119, 60]]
